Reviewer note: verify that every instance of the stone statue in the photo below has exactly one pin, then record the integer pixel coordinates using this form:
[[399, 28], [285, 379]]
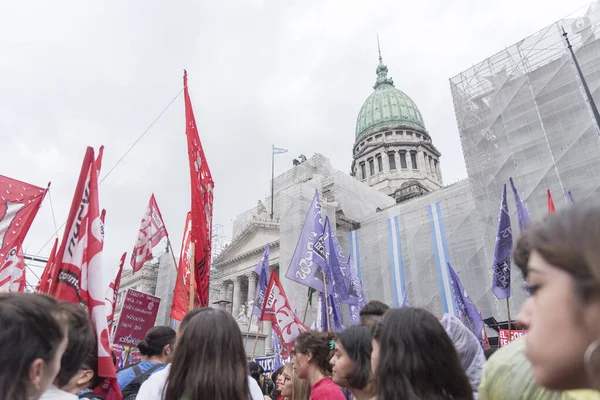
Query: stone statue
[[260, 208], [242, 318]]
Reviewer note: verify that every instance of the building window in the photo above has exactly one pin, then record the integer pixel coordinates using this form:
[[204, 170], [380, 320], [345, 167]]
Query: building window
[[435, 165], [371, 167], [392, 160], [377, 137], [399, 133], [363, 171], [379, 163], [403, 164], [370, 139], [388, 134], [413, 159]]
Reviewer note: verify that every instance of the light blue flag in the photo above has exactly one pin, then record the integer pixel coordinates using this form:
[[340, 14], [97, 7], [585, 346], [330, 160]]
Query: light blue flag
[[262, 270], [279, 150], [309, 262]]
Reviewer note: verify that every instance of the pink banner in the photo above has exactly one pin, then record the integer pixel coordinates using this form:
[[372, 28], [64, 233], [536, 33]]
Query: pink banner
[[137, 317]]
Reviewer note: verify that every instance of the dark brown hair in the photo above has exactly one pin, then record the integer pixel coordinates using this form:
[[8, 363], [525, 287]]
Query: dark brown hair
[[356, 341], [317, 344], [209, 360], [155, 341], [567, 239], [417, 359], [81, 340], [31, 329]]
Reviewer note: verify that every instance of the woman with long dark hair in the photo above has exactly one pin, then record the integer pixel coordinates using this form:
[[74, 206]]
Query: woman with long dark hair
[[351, 362], [33, 338], [560, 260], [312, 352], [209, 360], [414, 359]]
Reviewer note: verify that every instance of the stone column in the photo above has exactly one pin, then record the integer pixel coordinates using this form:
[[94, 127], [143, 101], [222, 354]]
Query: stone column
[[385, 163], [237, 298], [268, 342], [228, 288], [252, 278]]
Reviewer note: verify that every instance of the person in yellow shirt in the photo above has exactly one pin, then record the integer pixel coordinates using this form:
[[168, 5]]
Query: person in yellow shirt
[[507, 376]]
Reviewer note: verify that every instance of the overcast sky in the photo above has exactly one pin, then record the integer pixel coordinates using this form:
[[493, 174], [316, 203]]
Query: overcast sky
[[289, 73]]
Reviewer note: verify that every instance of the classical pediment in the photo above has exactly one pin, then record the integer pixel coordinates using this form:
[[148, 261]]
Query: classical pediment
[[253, 239]]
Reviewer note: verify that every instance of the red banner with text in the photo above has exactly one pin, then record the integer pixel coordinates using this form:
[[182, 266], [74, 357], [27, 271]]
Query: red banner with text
[[137, 317]]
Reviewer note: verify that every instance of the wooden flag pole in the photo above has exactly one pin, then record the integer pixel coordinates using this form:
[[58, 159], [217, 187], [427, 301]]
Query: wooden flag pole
[[179, 277], [508, 312], [248, 332], [326, 301], [255, 342], [192, 278], [306, 307]]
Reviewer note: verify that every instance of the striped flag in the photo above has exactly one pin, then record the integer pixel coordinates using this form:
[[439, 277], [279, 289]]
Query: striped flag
[[279, 150]]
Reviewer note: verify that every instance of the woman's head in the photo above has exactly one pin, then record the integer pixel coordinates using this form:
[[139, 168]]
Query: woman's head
[[313, 350], [291, 386], [158, 343], [209, 360], [560, 260], [410, 347], [33, 339], [351, 361], [81, 340], [256, 372]]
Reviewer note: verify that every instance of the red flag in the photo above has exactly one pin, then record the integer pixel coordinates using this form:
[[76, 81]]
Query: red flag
[[45, 282], [78, 262], [277, 310], [551, 208], [202, 202], [152, 231], [110, 299], [19, 203], [181, 294]]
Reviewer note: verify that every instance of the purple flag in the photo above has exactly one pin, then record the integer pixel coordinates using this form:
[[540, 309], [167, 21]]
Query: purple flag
[[467, 312], [334, 313], [522, 214], [355, 292], [571, 196], [262, 270], [277, 358], [336, 271], [309, 264], [504, 242]]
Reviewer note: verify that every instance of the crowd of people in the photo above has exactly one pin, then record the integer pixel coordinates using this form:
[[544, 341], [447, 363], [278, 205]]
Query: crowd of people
[[48, 349]]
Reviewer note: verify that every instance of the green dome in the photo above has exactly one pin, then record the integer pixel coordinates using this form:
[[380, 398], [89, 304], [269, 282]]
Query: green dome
[[387, 107]]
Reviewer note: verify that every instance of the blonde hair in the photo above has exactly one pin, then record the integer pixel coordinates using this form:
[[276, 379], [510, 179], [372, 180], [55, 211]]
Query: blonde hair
[[300, 387]]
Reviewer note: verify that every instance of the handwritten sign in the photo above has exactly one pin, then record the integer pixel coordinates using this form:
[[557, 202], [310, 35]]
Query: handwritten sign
[[503, 339], [137, 317]]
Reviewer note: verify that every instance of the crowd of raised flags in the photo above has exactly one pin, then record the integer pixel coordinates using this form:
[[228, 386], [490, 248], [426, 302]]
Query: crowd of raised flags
[[74, 269]]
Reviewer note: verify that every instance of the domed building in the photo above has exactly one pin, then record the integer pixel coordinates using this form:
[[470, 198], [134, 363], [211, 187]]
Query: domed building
[[393, 151]]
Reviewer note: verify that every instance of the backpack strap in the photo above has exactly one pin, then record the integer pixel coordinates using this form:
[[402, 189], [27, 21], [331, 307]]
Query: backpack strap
[[150, 371], [137, 370]]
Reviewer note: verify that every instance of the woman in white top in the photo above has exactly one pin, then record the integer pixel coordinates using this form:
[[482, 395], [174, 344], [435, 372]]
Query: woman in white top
[[155, 387]]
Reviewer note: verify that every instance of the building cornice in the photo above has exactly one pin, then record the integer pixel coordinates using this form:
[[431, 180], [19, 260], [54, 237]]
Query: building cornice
[[246, 255], [374, 148]]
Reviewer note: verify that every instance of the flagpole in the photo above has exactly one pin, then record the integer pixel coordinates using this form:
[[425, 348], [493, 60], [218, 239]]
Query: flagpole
[[192, 278], [255, 342], [326, 301], [508, 312], [248, 332], [308, 297], [272, 177], [176, 268]]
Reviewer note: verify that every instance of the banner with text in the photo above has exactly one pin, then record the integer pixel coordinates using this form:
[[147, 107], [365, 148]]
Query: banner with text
[[503, 336], [137, 317]]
